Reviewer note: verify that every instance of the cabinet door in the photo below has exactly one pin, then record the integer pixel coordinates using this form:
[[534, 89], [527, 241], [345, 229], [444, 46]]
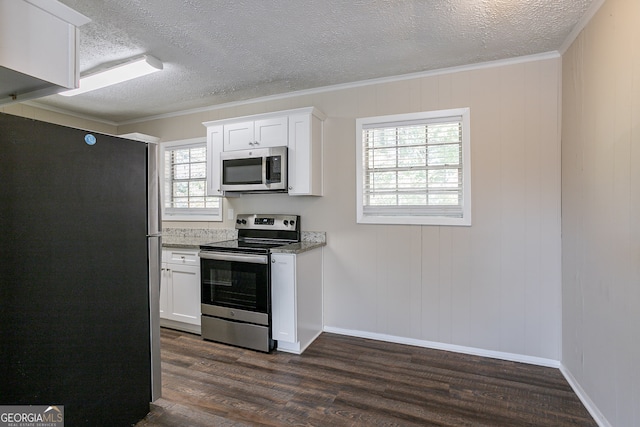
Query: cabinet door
[[305, 156], [214, 148], [185, 293], [283, 297], [271, 132], [165, 281], [38, 60], [238, 136]]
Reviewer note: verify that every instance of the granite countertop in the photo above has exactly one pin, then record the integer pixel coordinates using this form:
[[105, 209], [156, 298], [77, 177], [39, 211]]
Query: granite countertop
[[182, 245], [181, 238], [192, 238]]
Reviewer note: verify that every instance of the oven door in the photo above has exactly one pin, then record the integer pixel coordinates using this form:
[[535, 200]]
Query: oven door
[[236, 280]]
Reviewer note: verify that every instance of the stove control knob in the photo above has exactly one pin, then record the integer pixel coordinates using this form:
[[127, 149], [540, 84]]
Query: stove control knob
[[292, 222], [238, 221], [244, 221], [286, 222]]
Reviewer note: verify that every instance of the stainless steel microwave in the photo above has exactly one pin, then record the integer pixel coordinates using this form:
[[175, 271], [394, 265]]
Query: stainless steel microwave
[[255, 170]]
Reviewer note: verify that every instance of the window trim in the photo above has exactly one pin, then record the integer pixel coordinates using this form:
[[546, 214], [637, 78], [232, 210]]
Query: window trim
[[418, 219], [185, 214]]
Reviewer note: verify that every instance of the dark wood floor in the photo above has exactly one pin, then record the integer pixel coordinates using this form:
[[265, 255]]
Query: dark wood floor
[[345, 381]]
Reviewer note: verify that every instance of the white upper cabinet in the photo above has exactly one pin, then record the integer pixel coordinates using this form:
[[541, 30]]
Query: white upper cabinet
[[271, 132], [300, 130], [39, 48], [214, 148], [305, 155], [238, 136], [262, 133]]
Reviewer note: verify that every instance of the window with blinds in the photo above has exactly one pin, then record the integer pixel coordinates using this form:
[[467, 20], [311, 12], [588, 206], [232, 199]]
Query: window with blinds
[[185, 182], [413, 168]]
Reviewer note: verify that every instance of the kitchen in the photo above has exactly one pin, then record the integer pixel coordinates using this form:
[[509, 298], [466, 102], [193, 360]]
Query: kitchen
[[508, 286]]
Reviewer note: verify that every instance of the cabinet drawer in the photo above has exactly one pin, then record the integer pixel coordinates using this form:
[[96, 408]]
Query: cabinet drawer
[[185, 257]]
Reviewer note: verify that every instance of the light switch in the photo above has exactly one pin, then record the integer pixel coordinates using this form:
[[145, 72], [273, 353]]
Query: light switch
[[230, 214]]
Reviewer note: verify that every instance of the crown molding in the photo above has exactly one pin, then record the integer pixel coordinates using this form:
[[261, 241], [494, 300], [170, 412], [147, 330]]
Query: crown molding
[[361, 83], [314, 91], [582, 23]]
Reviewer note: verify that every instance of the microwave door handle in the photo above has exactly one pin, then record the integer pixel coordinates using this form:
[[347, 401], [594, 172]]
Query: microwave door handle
[[266, 170]]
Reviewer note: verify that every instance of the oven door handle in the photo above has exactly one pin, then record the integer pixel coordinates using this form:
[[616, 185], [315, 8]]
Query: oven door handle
[[220, 256]]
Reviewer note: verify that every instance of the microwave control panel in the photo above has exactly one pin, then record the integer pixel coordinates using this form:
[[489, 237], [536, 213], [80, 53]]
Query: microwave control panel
[[274, 169]]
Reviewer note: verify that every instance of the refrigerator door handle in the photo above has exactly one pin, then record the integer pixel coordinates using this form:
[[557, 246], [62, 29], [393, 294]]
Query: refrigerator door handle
[[154, 231]]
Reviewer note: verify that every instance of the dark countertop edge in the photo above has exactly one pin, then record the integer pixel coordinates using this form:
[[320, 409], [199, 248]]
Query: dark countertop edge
[[298, 248]]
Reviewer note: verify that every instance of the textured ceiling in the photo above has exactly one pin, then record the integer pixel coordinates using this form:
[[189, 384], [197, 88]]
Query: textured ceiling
[[222, 51]]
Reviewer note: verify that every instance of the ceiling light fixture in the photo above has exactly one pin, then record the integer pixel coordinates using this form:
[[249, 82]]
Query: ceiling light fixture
[[120, 73]]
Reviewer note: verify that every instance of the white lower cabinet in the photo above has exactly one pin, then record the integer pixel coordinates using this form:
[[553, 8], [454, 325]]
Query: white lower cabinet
[[296, 299], [180, 290]]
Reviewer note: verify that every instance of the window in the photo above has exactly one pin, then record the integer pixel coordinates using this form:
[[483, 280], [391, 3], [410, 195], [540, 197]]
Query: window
[[184, 171], [414, 168]]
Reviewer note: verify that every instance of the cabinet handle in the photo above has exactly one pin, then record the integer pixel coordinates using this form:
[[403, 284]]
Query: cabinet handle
[[273, 261], [251, 143], [290, 187]]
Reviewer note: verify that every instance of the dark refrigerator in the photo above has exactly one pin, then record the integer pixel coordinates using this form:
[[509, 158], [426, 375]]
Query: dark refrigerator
[[79, 272]]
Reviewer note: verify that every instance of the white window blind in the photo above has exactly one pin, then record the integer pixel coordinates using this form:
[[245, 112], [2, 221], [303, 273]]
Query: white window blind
[[185, 182], [413, 166]]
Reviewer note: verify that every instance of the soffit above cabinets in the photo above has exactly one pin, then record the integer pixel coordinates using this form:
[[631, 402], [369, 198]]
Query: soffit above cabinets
[[38, 48]]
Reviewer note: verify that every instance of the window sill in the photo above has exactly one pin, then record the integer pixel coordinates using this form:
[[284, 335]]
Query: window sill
[[210, 218], [414, 220]]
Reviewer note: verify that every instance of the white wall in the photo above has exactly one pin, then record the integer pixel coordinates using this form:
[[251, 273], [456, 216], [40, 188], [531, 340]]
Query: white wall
[[493, 286], [601, 211]]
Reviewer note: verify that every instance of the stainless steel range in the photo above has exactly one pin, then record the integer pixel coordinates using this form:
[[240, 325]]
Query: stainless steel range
[[236, 280]]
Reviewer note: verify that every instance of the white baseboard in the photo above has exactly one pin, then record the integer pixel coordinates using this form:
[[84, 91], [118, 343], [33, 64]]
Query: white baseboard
[[584, 398], [298, 347], [289, 347], [512, 357]]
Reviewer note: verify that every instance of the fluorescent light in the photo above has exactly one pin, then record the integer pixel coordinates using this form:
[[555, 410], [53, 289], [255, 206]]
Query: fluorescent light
[[120, 73]]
